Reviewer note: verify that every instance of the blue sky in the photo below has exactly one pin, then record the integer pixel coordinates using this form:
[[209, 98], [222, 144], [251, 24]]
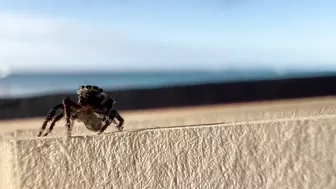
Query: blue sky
[[177, 34]]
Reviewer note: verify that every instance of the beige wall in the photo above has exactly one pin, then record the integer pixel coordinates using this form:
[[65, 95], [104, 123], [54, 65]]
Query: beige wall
[[289, 153], [7, 155]]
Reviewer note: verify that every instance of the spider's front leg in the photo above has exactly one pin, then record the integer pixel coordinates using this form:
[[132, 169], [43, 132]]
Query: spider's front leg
[[110, 114], [113, 114], [56, 119], [51, 114], [69, 106], [107, 105]]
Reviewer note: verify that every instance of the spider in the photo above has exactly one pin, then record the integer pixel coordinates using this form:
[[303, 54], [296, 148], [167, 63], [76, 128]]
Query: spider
[[94, 108]]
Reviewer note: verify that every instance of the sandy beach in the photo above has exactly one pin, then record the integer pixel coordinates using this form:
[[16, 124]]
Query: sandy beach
[[201, 114]]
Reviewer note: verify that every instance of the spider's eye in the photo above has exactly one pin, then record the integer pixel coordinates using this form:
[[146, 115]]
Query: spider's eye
[[95, 88], [100, 90], [82, 87], [88, 86]]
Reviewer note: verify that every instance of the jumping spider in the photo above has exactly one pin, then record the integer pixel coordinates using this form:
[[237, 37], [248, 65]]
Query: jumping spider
[[94, 108]]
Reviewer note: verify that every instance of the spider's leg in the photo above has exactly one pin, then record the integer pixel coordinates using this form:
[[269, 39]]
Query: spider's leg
[[121, 121], [107, 104], [51, 127], [69, 106], [113, 114], [56, 119], [49, 117]]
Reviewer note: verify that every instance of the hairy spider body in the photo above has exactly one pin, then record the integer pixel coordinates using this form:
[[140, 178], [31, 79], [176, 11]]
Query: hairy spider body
[[91, 120], [94, 108]]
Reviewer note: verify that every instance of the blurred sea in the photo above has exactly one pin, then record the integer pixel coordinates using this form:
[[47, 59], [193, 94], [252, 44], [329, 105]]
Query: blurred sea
[[24, 85]]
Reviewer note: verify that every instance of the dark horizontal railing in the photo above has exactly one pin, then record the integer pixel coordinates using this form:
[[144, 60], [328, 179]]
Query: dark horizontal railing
[[180, 96]]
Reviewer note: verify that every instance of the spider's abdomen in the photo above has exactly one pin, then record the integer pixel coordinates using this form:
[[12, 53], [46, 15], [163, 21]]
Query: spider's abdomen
[[91, 121]]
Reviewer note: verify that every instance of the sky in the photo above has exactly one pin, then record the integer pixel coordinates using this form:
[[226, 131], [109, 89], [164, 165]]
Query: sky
[[125, 35]]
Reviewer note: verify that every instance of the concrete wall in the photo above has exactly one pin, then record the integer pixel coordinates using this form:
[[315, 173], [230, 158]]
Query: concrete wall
[[7, 165], [178, 96], [288, 153]]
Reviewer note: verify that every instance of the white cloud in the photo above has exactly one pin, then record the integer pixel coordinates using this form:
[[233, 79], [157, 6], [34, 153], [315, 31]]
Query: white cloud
[[29, 42]]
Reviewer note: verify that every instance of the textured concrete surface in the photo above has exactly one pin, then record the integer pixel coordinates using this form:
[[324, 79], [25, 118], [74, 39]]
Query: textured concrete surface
[[7, 164], [26, 129], [284, 153]]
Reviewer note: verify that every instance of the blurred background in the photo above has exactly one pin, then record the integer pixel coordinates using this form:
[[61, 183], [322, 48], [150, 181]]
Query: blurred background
[[159, 54]]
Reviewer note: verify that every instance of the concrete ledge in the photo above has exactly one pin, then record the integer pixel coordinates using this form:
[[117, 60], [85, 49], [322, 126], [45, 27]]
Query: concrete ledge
[[288, 153]]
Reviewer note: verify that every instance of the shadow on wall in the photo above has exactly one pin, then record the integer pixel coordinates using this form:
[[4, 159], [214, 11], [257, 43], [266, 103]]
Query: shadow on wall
[[179, 96]]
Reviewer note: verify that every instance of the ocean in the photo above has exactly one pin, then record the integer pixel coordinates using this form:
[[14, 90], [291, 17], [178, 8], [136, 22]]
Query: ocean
[[25, 85]]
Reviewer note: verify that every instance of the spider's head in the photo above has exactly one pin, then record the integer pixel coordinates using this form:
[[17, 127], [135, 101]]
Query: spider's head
[[88, 94]]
